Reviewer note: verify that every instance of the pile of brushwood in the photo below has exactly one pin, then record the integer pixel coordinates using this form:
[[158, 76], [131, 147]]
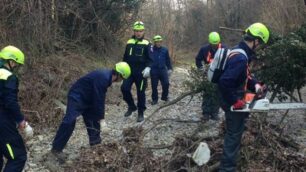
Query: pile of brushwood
[[126, 155], [264, 148]]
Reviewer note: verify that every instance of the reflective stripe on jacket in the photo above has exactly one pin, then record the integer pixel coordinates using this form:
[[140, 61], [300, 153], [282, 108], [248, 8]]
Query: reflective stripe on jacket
[[232, 81], [206, 54], [9, 95], [137, 54]]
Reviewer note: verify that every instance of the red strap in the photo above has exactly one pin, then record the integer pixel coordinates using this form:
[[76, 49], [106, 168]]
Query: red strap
[[248, 77], [219, 45], [248, 72], [209, 58]]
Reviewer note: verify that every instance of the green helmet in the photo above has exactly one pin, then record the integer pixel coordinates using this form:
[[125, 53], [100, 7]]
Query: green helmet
[[138, 26], [124, 69], [214, 38], [12, 53], [259, 30], [157, 38]]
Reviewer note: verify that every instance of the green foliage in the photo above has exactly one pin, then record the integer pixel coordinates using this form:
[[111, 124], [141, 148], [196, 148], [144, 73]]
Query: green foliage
[[198, 81], [283, 66], [284, 62], [45, 27], [302, 32]]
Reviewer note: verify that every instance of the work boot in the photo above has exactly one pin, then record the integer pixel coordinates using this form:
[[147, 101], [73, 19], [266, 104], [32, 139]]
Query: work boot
[[154, 102], [129, 112], [215, 118], [95, 142], [165, 99], [59, 156], [140, 117], [205, 118]]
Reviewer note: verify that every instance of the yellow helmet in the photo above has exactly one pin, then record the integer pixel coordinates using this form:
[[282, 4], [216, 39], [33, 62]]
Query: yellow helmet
[[138, 26], [258, 30], [12, 53], [214, 38], [124, 69], [157, 38]]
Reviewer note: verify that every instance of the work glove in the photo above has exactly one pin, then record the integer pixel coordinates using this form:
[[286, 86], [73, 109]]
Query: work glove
[[28, 130], [169, 72], [146, 72], [22, 125], [238, 105], [260, 89]]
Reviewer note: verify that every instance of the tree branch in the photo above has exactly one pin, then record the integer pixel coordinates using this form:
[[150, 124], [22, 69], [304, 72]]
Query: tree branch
[[189, 93], [231, 29]]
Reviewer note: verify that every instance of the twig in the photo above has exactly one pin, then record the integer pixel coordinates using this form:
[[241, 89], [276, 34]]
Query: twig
[[281, 122], [213, 167], [194, 143], [32, 111], [181, 153], [189, 93], [291, 96], [177, 120], [299, 93], [160, 147], [181, 169], [60, 105], [275, 91], [160, 121], [166, 105], [231, 29]]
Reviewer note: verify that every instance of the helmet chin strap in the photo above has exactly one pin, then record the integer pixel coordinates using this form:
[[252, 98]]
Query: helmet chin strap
[[9, 64], [253, 46], [117, 77]]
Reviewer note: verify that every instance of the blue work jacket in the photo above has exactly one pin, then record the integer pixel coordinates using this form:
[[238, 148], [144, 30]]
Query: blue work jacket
[[161, 59], [90, 91], [236, 77]]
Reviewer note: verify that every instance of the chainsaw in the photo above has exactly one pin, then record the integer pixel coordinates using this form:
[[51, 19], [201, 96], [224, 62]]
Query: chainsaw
[[259, 103]]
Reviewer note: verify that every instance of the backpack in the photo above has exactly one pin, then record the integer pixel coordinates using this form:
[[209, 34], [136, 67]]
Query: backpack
[[216, 68]]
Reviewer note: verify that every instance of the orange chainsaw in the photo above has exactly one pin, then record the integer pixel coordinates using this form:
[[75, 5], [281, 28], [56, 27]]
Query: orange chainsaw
[[259, 103]]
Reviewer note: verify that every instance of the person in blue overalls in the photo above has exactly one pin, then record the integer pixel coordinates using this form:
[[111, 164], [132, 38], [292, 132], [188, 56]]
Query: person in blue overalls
[[161, 69], [11, 143], [210, 100], [86, 97]]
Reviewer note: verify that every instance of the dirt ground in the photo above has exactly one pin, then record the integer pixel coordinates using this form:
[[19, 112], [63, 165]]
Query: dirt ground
[[180, 119]]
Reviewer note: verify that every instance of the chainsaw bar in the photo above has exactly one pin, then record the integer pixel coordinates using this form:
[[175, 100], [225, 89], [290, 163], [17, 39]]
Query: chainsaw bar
[[285, 106], [263, 105]]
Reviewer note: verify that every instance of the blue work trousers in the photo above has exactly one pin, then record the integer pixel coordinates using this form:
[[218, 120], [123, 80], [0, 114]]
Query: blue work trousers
[[141, 85], [235, 126], [11, 146], [211, 103], [162, 76], [75, 109]]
